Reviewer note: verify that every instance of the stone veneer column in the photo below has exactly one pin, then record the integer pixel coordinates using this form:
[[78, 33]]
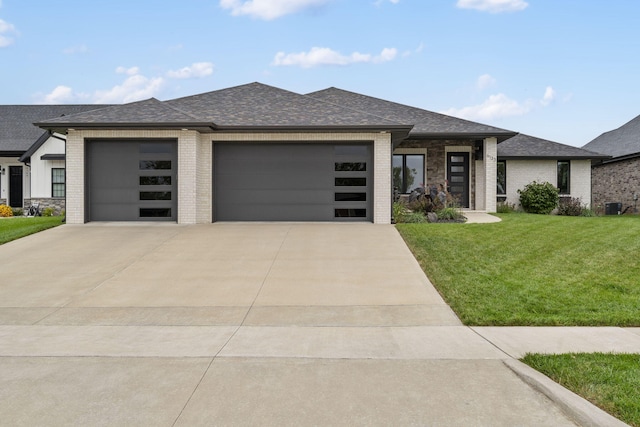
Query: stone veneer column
[[75, 157], [382, 193], [490, 173], [187, 177]]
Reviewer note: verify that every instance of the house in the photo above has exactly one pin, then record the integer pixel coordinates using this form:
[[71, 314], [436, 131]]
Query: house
[[23, 181], [260, 153], [616, 180], [524, 159]]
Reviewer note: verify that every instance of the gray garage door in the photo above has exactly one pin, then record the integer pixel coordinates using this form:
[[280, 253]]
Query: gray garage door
[[131, 180], [292, 182]]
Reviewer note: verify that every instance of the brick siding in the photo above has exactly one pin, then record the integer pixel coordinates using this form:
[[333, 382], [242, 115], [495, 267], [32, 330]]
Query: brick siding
[[615, 182]]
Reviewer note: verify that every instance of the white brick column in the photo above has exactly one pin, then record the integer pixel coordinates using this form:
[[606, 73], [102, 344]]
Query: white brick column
[[490, 173], [382, 191], [187, 177], [204, 183], [75, 157]]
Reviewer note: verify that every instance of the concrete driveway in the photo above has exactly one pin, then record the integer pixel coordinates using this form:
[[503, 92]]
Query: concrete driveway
[[241, 324]]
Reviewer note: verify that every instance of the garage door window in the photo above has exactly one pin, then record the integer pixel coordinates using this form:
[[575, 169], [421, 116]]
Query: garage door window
[[155, 164]]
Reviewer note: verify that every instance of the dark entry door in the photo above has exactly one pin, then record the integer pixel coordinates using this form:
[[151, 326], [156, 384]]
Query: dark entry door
[[15, 186], [458, 177]]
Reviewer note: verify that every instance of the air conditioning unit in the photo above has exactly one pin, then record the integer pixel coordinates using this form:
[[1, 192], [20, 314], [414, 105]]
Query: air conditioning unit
[[613, 208]]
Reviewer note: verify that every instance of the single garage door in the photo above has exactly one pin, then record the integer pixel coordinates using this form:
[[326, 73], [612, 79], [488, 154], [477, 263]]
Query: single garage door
[[131, 180], [292, 182]]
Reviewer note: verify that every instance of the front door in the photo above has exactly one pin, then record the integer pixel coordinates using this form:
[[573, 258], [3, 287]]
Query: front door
[[458, 177], [15, 186]]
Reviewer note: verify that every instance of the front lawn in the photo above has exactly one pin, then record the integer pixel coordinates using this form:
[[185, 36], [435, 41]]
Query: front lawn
[[609, 381], [15, 228], [534, 269]]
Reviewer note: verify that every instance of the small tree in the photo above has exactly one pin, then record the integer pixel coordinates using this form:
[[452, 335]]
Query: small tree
[[539, 198]]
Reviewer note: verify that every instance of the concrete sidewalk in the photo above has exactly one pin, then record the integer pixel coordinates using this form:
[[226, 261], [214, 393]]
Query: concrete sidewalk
[[260, 324]]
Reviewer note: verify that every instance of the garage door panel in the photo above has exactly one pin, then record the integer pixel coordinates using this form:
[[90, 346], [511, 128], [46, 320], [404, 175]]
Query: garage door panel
[[268, 181], [291, 182], [266, 197], [288, 212]]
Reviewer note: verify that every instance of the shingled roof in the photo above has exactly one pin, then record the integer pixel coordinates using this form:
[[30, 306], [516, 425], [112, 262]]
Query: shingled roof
[[147, 113], [253, 106], [621, 142], [262, 106], [17, 131], [524, 146], [427, 124]]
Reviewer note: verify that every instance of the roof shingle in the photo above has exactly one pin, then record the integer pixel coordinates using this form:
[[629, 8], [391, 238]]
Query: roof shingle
[[624, 141], [524, 146], [17, 131], [426, 123]]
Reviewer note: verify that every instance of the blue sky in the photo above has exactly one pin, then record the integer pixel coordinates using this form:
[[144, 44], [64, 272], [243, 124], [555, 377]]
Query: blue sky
[[564, 70]]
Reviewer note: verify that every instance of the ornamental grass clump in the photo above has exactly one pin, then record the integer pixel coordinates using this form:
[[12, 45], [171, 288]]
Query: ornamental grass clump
[[539, 198], [5, 211]]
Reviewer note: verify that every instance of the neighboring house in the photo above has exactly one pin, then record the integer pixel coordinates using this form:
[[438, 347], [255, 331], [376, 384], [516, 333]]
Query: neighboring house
[[616, 180], [524, 159], [32, 172], [259, 153]]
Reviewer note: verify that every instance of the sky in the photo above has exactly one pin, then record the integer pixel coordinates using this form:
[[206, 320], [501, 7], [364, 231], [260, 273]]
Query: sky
[[563, 70]]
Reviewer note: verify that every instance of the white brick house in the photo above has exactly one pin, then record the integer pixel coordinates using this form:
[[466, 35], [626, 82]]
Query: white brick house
[[256, 153], [524, 159]]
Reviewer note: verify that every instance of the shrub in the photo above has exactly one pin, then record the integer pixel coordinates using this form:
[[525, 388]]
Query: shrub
[[539, 198], [423, 205], [588, 212], [450, 214], [17, 211], [47, 212], [570, 206], [5, 211], [504, 207], [414, 217], [399, 210]]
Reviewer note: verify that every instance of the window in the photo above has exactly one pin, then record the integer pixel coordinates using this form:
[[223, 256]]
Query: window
[[57, 182], [564, 172], [408, 172], [502, 178]]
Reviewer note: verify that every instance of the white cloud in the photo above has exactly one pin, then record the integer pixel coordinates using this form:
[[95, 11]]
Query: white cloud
[[5, 30], [135, 87], [500, 105], [269, 9], [549, 96], [325, 56], [485, 81], [496, 106], [493, 6], [196, 70], [59, 95], [128, 71]]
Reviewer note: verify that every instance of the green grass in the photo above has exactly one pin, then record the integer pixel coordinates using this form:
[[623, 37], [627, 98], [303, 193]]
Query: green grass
[[534, 269], [15, 228], [609, 381]]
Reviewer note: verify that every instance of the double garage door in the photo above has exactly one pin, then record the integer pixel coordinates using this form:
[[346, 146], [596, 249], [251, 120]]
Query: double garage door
[[292, 182], [137, 181]]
